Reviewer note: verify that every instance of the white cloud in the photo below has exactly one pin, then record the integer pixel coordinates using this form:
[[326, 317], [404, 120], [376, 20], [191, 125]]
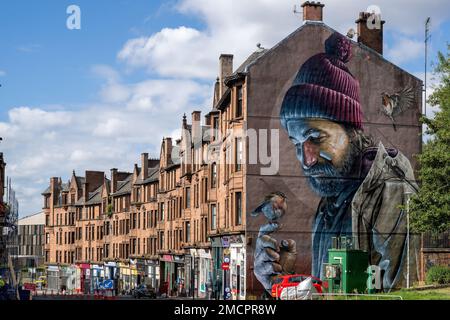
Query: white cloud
[[405, 50], [36, 119], [236, 26], [110, 127], [2, 73], [183, 47]]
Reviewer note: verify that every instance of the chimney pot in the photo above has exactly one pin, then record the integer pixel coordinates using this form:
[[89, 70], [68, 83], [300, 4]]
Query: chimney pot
[[312, 11], [370, 31]]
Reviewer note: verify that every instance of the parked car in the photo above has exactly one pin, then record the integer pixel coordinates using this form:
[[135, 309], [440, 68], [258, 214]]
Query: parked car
[[292, 280], [142, 291]]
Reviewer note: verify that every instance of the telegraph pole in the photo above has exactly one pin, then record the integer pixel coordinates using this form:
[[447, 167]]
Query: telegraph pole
[[427, 37], [408, 236]]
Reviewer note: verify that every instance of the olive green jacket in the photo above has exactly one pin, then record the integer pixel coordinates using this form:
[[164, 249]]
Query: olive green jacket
[[379, 218]]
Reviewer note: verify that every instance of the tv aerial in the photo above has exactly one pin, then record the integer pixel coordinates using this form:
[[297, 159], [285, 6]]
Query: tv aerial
[[295, 11], [351, 33]]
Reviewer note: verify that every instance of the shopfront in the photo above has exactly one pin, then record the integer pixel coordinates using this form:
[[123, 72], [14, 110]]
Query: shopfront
[[98, 275], [153, 273], [68, 278], [217, 273], [53, 278], [189, 274], [237, 267], [200, 269], [85, 278], [141, 272], [112, 273], [168, 274], [124, 278], [133, 274], [228, 267], [179, 276]]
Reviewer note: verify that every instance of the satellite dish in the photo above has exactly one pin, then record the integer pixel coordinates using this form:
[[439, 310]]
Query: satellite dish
[[351, 33]]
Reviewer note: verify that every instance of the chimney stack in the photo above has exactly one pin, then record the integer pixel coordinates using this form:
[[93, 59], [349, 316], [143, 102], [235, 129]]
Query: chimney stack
[[312, 11], [226, 70], [144, 166], [86, 191], [54, 189], [370, 31], [113, 180], [196, 128]]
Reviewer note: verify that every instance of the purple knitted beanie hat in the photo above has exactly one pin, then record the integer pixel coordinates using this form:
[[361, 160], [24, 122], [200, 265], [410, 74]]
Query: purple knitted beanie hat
[[324, 87]]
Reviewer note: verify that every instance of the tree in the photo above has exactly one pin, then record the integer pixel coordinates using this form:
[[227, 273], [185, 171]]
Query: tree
[[430, 208]]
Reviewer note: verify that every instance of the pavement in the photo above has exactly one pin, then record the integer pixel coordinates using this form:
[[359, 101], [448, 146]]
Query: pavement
[[49, 296]]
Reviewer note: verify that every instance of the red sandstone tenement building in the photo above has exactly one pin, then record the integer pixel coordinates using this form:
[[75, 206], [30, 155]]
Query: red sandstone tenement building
[[170, 222], [181, 223]]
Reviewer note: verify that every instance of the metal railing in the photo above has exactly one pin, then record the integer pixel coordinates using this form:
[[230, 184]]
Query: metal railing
[[355, 296], [308, 295]]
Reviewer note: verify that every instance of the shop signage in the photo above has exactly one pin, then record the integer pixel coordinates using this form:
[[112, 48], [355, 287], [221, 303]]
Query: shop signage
[[167, 257], [225, 242], [227, 293], [216, 242], [236, 239], [108, 284], [178, 259], [152, 262], [140, 266], [110, 264], [29, 286], [53, 268]]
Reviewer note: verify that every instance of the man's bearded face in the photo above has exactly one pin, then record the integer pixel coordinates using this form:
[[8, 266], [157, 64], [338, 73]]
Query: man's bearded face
[[326, 153]]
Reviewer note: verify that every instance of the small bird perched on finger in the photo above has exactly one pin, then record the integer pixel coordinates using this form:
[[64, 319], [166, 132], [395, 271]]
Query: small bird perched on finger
[[273, 207]]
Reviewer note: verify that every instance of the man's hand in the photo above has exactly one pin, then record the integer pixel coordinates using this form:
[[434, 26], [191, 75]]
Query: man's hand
[[266, 264], [272, 259], [288, 256]]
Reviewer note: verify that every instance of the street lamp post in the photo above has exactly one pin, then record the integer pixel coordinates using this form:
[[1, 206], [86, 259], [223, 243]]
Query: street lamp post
[[193, 275], [91, 273], [408, 198]]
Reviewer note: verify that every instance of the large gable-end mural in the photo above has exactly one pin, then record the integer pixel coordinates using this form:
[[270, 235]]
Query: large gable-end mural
[[362, 184]]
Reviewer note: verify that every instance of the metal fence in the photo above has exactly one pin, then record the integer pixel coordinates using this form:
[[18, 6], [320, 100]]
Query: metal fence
[[295, 294], [353, 296]]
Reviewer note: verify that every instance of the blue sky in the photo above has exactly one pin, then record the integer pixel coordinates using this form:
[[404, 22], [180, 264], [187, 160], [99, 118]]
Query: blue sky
[[96, 98], [52, 64]]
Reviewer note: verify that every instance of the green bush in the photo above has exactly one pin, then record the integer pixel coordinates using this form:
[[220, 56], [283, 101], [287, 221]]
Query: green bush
[[438, 274]]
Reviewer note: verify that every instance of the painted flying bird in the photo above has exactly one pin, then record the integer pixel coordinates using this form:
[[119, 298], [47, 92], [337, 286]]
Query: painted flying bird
[[273, 207], [395, 104]]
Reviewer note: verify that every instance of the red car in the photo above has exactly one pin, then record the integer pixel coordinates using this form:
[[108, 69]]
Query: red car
[[293, 280]]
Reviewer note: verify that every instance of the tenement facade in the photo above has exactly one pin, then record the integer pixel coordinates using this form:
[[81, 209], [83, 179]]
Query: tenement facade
[[175, 223]]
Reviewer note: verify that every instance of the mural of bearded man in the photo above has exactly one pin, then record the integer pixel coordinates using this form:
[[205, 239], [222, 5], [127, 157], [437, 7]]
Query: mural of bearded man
[[362, 185]]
